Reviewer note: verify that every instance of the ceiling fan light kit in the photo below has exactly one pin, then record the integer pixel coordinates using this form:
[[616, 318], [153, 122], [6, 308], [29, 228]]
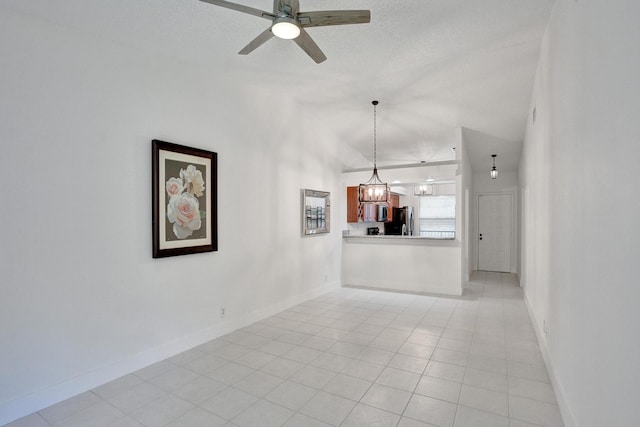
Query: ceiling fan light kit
[[287, 22], [285, 27]]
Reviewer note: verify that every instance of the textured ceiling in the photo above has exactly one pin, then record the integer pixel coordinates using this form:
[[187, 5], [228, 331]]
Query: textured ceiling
[[435, 66]]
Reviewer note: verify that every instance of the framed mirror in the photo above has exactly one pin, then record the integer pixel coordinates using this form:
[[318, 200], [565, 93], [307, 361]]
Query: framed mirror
[[316, 209]]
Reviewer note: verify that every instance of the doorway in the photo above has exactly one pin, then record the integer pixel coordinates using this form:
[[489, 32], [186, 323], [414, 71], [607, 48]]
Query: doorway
[[495, 222]]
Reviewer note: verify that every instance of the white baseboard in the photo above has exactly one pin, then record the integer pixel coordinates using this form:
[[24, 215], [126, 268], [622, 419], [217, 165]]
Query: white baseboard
[[565, 411], [40, 399]]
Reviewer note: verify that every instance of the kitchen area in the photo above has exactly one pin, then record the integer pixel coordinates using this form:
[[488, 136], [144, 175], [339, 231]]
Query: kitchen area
[[412, 241]]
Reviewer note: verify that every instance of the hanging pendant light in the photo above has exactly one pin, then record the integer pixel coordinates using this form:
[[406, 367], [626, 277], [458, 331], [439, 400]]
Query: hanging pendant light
[[494, 171], [374, 190], [423, 190]]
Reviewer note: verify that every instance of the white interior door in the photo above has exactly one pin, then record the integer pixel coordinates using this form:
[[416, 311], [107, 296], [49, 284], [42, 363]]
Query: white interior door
[[495, 213]]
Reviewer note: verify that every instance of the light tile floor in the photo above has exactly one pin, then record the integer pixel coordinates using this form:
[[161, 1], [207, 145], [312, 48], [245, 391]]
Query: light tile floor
[[351, 357]]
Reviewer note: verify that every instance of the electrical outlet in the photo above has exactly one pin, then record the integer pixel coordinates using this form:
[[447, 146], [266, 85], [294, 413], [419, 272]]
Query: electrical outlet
[[223, 312]]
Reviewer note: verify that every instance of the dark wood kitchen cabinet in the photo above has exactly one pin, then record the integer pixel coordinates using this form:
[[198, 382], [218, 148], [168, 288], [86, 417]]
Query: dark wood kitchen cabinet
[[352, 204], [366, 212], [394, 202]]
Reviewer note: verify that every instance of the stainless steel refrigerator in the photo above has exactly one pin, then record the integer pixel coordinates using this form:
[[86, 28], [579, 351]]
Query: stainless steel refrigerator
[[402, 223]]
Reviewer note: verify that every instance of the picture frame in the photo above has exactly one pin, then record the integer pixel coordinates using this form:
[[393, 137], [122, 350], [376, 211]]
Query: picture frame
[[316, 212], [184, 199]]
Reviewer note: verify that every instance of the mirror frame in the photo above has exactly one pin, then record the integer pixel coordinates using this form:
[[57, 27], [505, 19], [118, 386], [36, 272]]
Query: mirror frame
[[306, 218]]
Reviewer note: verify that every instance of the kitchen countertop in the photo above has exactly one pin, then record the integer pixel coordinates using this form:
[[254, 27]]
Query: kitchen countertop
[[381, 239], [393, 237]]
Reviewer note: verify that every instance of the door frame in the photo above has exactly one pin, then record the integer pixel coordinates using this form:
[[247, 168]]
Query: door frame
[[512, 243]]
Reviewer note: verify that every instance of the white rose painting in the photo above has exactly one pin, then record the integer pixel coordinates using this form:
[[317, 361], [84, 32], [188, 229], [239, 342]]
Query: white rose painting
[[185, 199], [183, 209]]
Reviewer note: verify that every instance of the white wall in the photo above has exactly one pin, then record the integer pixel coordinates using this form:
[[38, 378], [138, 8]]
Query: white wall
[[464, 207], [82, 300], [403, 264], [580, 228]]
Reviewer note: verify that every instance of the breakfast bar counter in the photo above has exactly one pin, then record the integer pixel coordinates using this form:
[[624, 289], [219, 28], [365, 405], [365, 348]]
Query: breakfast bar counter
[[402, 263]]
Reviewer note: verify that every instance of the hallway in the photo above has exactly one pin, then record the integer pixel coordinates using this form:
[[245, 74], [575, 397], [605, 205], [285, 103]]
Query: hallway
[[352, 357]]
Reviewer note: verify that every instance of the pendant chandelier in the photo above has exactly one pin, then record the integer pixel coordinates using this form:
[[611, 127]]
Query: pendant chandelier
[[494, 171], [423, 190], [374, 190]]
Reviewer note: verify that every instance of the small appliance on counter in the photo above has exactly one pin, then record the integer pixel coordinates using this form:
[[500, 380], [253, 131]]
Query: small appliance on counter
[[373, 231], [402, 223]]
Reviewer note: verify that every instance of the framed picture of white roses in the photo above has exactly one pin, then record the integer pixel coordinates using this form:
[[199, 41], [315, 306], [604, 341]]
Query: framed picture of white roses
[[185, 199]]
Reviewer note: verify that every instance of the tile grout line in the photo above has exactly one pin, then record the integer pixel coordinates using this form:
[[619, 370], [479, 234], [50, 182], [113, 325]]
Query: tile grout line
[[353, 310]]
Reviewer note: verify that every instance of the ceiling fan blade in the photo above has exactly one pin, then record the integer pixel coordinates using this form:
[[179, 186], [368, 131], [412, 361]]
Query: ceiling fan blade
[[241, 8], [333, 17], [307, 44], [257, 42]]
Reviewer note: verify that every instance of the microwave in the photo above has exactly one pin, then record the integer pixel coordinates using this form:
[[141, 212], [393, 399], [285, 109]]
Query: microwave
[[383, 213]]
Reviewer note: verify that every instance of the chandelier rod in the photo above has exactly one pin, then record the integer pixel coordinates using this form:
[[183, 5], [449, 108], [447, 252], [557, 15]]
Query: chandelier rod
[[375, 143]]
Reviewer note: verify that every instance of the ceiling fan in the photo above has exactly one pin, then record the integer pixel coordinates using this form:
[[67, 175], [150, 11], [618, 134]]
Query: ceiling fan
[[287, 22]]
